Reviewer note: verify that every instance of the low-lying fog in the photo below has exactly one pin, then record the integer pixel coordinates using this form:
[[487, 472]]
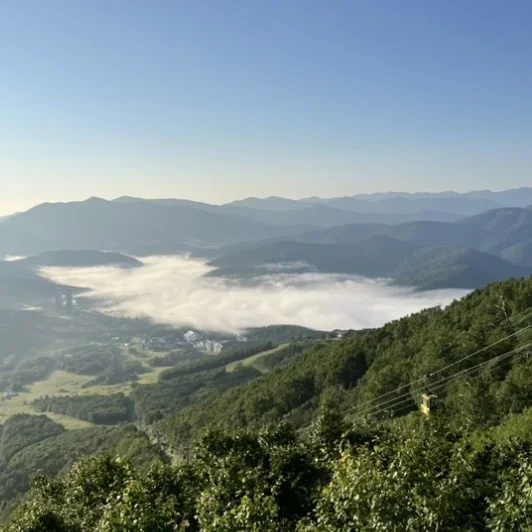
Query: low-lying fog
[[172, 290]]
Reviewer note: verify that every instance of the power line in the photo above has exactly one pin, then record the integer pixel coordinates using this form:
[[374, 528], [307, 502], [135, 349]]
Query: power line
[[403, 401], [480, 351], [442, 382], [417, 381]]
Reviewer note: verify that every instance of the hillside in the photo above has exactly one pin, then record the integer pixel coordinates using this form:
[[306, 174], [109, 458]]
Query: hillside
[[366, 365], [45, 447], [519, 253], [502, 228], [376, 256], [20, 285], [294, 257], [446, 267], [80, 258], [493, 232], [373, 257]]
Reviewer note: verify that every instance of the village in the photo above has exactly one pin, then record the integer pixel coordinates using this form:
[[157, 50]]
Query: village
[[176, 340]]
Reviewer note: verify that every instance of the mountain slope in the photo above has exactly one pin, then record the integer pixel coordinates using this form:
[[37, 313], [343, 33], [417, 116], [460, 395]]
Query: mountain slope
[[519, 253], [446, 267], [20, 285], [364, 365], [291, 256], [417, 233], [493, 231], [377, 256], [502, 227]]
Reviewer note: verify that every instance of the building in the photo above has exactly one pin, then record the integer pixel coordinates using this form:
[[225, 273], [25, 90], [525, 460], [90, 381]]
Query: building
[[192, 337]]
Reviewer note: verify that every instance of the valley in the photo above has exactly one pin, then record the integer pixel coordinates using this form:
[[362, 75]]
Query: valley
[[315, 336]]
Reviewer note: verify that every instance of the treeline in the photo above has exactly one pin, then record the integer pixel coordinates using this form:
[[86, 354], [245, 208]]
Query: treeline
[[47, 449], [410, 475], [216, 361], [282, 334], [155, 401], [22, 430], [97, 409], [106, 364], [28, 371], [281, 356], [180, 356], [90, 359]]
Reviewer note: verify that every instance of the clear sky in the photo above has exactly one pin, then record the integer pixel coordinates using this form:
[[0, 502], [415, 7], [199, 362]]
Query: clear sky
[[217, 100]]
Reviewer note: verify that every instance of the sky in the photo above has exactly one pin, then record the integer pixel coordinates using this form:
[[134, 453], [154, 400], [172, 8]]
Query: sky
[[217, 100]]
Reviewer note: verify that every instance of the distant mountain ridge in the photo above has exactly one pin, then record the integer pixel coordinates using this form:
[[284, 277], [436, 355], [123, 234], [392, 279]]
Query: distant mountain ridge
[[140, 227], [493, 232], [464, 204], [324, 237]]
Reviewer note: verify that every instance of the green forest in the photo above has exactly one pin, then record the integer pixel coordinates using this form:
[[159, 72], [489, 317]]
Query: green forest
[[327, 436], [97, 409]]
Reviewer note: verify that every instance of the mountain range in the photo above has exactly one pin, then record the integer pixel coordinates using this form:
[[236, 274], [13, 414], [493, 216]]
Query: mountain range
[[465, 254], [426, 268], [406, 237], [464, 204]]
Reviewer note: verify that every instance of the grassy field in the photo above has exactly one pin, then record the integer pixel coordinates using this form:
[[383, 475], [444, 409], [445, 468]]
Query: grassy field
[[250, 361], [62, 383]]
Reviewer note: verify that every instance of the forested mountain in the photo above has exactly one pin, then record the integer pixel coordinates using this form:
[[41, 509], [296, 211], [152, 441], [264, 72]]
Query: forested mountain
[[365, 457], [172, 225], [35, 445], [519, 253], [494, 231], [448, 267], [378, 256], [368, 364], [79, 258]]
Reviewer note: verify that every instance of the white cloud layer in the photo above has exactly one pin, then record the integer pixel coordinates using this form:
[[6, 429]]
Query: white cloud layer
[[173, 290]]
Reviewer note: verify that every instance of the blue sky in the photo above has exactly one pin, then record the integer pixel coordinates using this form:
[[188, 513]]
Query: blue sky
[[217, 100]]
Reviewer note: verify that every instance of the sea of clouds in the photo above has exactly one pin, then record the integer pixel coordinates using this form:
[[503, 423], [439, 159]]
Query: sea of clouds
[[173, 290]]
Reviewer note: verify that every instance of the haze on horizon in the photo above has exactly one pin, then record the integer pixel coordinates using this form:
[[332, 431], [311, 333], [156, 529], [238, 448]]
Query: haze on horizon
[[218, 101]]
